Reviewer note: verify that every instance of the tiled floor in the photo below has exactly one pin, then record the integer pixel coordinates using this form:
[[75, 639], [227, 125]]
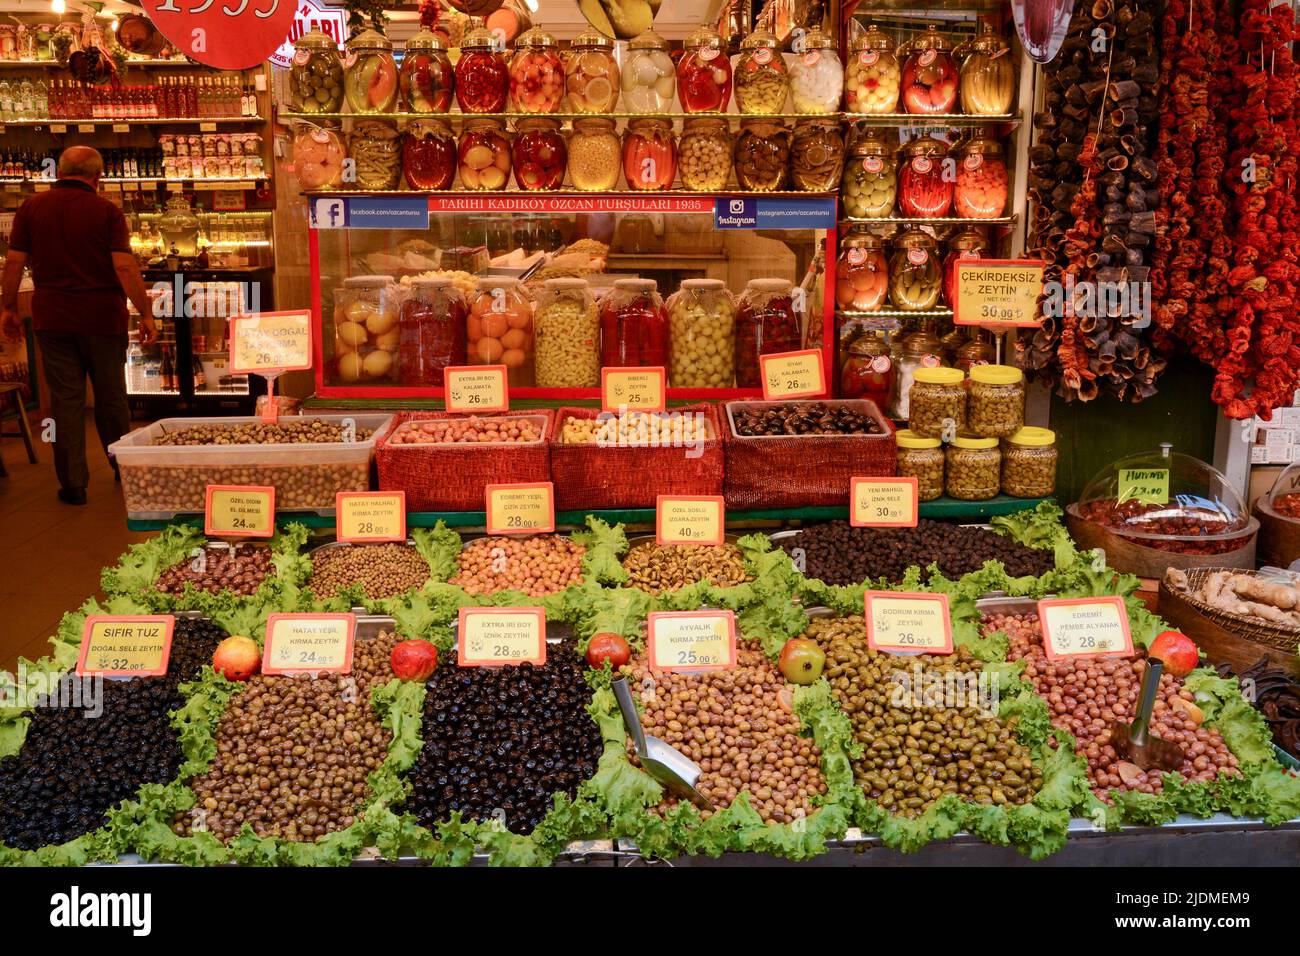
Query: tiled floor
[[52, 553]]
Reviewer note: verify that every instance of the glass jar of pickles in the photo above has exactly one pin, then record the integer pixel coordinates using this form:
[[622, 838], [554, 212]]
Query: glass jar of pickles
[[870, 184], [816, 74], [649, 154], [974, 468], [366, 336], [429, 155], [929, 73], [704, 154], [483, 155], [766, 323], [567, 325], [987, 78], [980, 191], [924, 189], [482, 77], [965, 245], [921, 349], [702, 327], [997, 401], [704, 73], [762, 79], [595, 154], [432, 330], [316, 74], [923, 459], [500, 329], [1029, 463], [868, 370], [426, 77], [318, 155], [649, 79], [540, 154], [816, 155], [872, 81], [536, 73], [591, 74], [370, 74], [914, 274], [936, 402], [762, 155], [861, 272], [633, 326], [375, 147]]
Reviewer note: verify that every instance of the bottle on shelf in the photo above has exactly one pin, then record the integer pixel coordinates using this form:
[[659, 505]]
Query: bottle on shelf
[[190, 92], [167, 371], [200, 377], [23, 106], [135, 365], [6, 101]]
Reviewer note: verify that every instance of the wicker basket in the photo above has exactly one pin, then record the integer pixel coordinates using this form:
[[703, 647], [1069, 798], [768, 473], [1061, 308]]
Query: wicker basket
[[804, 470], [1285, 639]]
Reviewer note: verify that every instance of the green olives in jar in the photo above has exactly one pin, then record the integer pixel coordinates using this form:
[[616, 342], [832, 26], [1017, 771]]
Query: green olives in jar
[[1029, 463], [870, 183], [316, 74], [974, 468]]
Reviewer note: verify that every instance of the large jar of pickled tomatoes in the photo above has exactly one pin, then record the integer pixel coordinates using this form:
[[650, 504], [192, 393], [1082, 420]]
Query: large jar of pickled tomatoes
[[868, 370], [370, 74], [429, 155], [704, 73], [540, 154], [980, 191], [633, 325], [987, 78], [432, 331], [500, 329], [967, 244], [595, 154], [929, 73], [924, 188], [316, 74], [591, 74], [872, 77], [861, 272], [766, 323], [762, 78], [482, 78], [536, 73], [816, 74], [649, 154], [427, 79], [483, 155], [648, 79]]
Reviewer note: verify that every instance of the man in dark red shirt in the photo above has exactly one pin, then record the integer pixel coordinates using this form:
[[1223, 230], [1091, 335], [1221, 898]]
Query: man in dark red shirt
[[76, 244]]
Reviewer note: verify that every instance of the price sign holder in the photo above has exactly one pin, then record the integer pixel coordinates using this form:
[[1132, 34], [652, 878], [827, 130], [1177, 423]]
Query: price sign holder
[[690, 519], [309, 643], [902, 622], [125, 645], [792, 375], [269, 344], [999, 293], [370, 517], [472, 389], [883, 502], [1148, 486], [691, 641], [526, 508], [497, 636], [239, 511], [1085, 627], [633, 389]]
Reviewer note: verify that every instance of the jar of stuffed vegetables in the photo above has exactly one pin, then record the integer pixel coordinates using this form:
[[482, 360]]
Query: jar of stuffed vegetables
[[914, 274], [370, 74], [921, 458], [316, 74], [704, 73], [872, 80], [540, 154], [591, 75], [924, 190], [482, 77], [427, 78], [649, 154], [536, 73], [429, 155], [761, 77], [766, 323], [704, 156], [870, 184]]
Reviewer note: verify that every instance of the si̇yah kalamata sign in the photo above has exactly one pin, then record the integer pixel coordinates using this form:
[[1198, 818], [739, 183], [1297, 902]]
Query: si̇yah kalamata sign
[[226, 34]]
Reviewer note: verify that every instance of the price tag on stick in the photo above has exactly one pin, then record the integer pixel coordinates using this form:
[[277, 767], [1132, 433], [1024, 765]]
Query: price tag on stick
[[691, 640], [633, 389], [367, 517], [792, 375], [690, 519], [302, 643], [1085, 627], [492, 636], [477, 388], [883, 502], [117, 645], [521, 508], [239, 511], [270, 342], [908, 623]]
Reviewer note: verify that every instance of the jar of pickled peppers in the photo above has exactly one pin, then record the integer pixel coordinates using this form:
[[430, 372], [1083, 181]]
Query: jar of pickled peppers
[[872, 79], [540, 154], [704, 73], [870, 185], [375, 148], [929, 83], [536, 73], [633, 326], [861, 272], [432, 331], [987, 77], [980, 191], [483, 155], [968, 244], [915, 277], [427, 79], [316, 74], [482, 77], [370, 74], [766, 324], [704, 154], [816, 74], [591, 75], [649, 154], [924, 187], [762, 79], [595, 154], [429, 154], [868, 370]]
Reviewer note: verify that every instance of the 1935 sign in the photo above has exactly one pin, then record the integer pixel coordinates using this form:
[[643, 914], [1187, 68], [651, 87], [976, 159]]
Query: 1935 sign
[[226, 34]]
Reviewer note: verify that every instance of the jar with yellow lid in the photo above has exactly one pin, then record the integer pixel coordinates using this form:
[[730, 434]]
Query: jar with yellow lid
[[1029, 463], [872, 80], [911, 353], [870, 183], [997, 400], [987, 77], [595, 154], [936, 402], [370, 74], [974, 468], [762, 79], [816, 74], [915, 276], [591, 73], [921, 458]]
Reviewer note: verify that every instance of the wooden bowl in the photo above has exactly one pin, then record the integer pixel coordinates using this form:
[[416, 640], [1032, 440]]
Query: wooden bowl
[[1279, 536], [1127, 555]]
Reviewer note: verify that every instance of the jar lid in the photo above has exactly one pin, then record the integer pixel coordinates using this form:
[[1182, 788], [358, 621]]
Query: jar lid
[[592, 39], [861, 237], [497, 282], [931, 39], [925, 146], [648, 41], [872, 144], [818, 39], [636, 285], [987, 40], [707, 122], [535, 37], [940, 376], [565, 282], [537, 122], [483, 122], [906, 438], [760, 39], [770, 285], [424, 41], [432, 282], [978, 144], [968, 238], [974, 441], [428, 124], [873, 39], [650, 123], [477, 36], [765, 122], [592, 123], [315, 40], [996, 375], [704, 285], [366, 282], [704, 36], [915, 237], [1033, 437], [370, 40]]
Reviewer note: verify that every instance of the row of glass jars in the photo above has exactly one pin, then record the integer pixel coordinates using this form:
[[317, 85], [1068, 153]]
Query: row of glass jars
[[926, 177], [929, 79], [990, 404], [913, 278], [1022, 465]]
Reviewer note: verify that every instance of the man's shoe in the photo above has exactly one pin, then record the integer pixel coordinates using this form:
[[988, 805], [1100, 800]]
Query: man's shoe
[[72, 496]]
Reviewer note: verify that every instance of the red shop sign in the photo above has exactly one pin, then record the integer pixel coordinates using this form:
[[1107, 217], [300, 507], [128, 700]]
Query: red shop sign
[[226, 34]]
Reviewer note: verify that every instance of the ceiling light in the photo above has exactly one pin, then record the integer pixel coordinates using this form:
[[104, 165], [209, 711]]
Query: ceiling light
[[58, 6]]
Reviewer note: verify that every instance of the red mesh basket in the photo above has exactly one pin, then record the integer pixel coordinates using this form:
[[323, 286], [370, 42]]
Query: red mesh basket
[[453, 476], [802, 471], [591, 477]]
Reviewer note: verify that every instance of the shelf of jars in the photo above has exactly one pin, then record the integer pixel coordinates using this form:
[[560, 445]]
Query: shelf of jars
[[502, 117], [61, 125], [934, 221], [931, 120], [508, 194]]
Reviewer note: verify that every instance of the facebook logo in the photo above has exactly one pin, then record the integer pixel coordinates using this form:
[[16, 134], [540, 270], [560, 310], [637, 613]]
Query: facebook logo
[[330, 212]]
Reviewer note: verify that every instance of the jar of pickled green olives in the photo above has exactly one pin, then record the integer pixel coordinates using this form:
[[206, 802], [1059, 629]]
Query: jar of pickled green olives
[[1029, 463], [316, 74], [870, 183], [921, 458], [974, 468]]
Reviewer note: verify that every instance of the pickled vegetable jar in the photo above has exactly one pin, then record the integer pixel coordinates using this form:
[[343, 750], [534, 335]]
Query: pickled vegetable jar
[[1029, 463], [427, 79], [567, 325], [318, 155], [816, 155], [921, 349], [429, 155], [370, 74], [974, 468], [997, 401], [980, 191], [704, 73], [924, 188], [923, 459], [591, 74], [500, 329], [704, 155], [649, 79], [649, 154], [966, 245], [870, 184], [366, 336], [484, 155], [316, 74], [868, 370], [872, 81], [536, 73], [376, 149], [633, 325], [861, 272], [482, 77], [432, 331], [595, 154], [987, 78], [766, 323], [936, 402], [929, 74], [762, 156], [702, 340], [540, 154], [762, 79], [816, 74], [914, 274]]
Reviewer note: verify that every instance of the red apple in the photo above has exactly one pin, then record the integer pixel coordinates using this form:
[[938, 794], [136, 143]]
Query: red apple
[[414, 660], [801, 660], [237, 658], [608, 646], [1177, 650]]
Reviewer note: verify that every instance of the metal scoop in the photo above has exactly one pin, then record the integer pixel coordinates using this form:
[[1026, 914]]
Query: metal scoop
[[1134, 742], [670, 767]]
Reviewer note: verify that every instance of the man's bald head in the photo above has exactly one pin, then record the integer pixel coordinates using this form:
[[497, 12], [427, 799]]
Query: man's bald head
[[81, 162]]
